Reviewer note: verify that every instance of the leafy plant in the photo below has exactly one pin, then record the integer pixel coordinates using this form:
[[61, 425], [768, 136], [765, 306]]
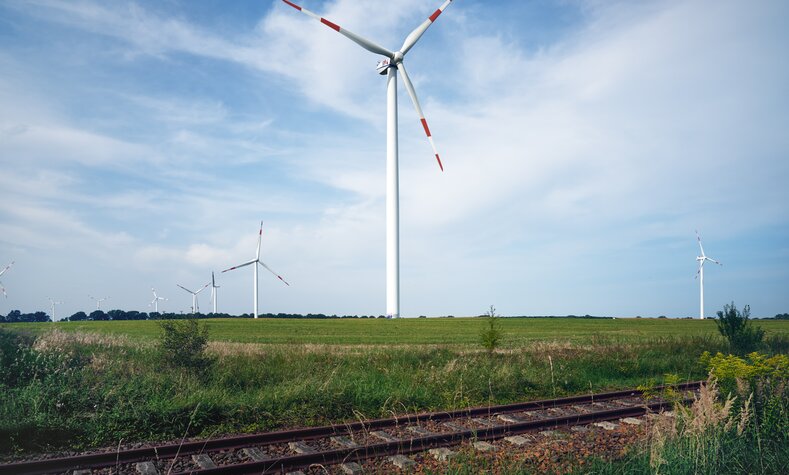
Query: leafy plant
[[182, 344], [491, 335], [739, 331]]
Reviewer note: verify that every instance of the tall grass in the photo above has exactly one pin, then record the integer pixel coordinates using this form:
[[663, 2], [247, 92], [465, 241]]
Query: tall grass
[[742, 429], [79, 391]]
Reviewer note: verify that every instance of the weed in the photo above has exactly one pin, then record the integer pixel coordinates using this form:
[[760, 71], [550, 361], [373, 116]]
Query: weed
[[490, 337]]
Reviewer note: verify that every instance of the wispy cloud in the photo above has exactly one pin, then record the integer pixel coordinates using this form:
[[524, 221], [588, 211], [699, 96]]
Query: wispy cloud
[[566, 162]]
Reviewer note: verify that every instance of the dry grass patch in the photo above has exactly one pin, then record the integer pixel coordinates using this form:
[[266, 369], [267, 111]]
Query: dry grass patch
[[60, 340]]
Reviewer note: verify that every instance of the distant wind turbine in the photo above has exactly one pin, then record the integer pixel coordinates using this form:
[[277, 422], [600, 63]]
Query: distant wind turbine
[[390, 66], [257, 260], [98, 301], [195, 307], [214, 292], [53, 303], [3, 272], [155, 301], [700, 274]]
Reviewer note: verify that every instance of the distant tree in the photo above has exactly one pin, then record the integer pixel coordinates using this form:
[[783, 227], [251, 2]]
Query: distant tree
[[116, 315], [77, 317], [97, 315], [739, 331], [40, 317], [13, 316], [782, 316]]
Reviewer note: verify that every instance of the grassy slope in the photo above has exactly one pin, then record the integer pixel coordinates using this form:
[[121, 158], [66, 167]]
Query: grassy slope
[[438, 331]]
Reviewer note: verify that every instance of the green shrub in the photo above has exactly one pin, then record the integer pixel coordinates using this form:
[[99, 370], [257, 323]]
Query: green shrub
[[182, 344], [739, 331]]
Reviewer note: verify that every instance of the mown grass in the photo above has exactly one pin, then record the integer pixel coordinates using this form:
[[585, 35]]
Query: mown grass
[[86, 385]]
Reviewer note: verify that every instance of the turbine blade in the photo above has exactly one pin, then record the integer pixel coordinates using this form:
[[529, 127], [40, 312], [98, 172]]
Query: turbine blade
[[213, 280], [260, 237], [202, 288], [179, 285], [277, 275], [6, 268], [3, 290], [241, 265], [410, 88], [420, 30], [363, 42], [700, 246], [712, 260]]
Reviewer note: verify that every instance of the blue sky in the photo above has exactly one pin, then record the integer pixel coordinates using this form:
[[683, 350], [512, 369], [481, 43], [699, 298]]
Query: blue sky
[[583, 141]]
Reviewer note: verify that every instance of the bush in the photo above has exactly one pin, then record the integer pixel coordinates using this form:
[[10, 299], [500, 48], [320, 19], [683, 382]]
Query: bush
[[182, 344], [742, 335], [490, 337]]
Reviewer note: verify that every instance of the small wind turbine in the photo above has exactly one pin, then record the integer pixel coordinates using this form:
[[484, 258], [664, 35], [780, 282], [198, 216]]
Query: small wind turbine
[[53, 303], [155, 301], [3, 272], [98, 301], [700, 274], [389, 66], [195, 307], [255, 278], [214, 292]]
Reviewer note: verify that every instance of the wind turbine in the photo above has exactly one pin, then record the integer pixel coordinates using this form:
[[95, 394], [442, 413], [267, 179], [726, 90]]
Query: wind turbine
[[214, 292], [3, 272], [53, 303], [389, 66], [700, 274], [155, 301], [195, 307], [98, 301], [255, 278]]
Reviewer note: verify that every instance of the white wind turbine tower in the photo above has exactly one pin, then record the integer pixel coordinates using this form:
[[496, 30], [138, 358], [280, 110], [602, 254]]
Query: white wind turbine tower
[[700, 274], [98, 301], [155, 301], [53, 303], [3, 272], [389, 66], [214, 292], [195, 307], [257, 260]]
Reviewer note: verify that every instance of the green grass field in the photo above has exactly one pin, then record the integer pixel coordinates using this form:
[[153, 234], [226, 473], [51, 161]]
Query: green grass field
[[90, 384], [432, 331]]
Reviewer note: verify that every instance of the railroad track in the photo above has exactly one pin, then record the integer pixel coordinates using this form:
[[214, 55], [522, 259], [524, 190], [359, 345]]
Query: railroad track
[[347, 444]]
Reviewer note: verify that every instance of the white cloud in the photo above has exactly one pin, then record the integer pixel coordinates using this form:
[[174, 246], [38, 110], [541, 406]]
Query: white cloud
[[562, 163]]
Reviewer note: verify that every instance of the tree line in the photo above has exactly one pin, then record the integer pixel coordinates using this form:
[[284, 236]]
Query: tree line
[[16, 316]]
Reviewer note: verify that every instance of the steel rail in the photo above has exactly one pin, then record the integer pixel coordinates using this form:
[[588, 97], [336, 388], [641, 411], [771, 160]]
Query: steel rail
[[105, 459], [420, 444]]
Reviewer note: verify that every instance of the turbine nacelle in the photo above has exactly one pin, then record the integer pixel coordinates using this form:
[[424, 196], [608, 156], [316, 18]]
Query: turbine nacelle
[[383, 66]]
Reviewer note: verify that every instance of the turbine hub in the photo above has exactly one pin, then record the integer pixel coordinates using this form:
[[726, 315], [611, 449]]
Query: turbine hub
[[383, 66]]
